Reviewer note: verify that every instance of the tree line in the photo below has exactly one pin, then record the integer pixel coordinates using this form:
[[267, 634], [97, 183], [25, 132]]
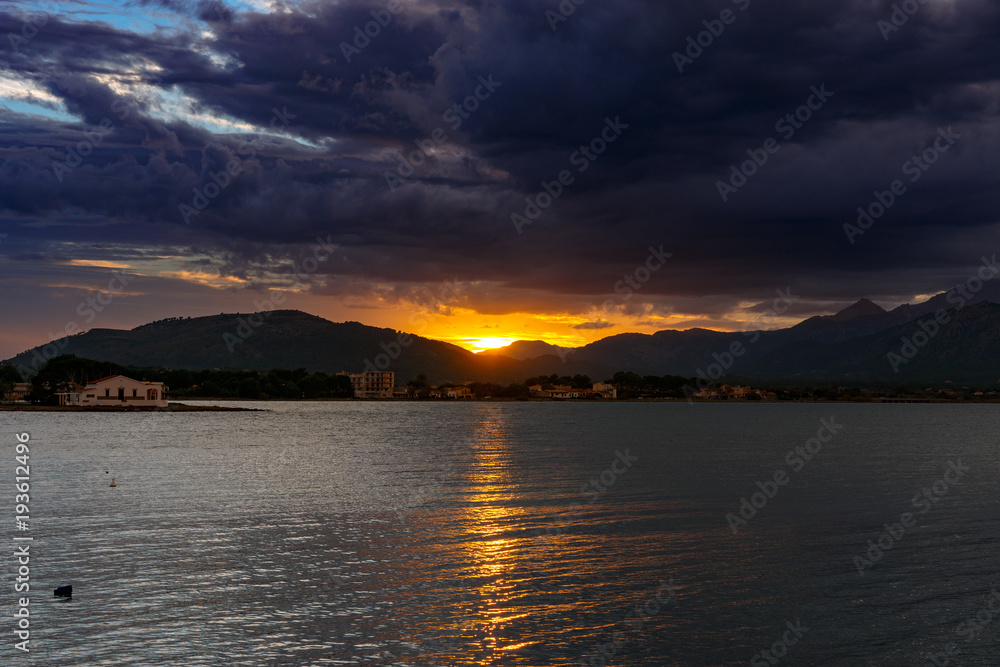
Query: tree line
[[64, 372]]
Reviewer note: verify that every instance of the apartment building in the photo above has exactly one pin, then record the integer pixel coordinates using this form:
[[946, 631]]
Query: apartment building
[[372, 384]]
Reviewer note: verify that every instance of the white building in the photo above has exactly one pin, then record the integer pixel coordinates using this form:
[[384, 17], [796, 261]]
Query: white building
[[570, 392], [116, 390], [373, 384]]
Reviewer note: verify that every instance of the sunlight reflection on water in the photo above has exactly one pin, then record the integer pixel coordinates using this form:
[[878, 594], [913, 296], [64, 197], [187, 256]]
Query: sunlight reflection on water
[[422, 534]]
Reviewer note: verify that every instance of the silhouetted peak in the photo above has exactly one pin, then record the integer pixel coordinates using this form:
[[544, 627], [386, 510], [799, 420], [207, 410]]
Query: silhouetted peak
[[861, 308]]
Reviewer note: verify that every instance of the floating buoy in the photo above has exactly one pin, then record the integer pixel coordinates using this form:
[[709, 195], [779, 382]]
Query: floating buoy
[[112, 482], [63, 592]]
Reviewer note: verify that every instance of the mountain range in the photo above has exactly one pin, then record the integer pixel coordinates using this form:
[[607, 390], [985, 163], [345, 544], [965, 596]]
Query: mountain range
[[862, 343]]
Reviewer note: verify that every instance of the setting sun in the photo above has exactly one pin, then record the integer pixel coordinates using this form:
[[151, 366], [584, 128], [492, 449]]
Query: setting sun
[[491, 343]]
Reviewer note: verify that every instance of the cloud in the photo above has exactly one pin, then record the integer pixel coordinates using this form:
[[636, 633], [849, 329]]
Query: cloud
[[600, 324], [199, 94]]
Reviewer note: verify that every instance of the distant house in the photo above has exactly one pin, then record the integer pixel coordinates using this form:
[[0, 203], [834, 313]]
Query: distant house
[[563, 392], [727, 392], [569, 392], [606, 390], [555, 391], [19, 392], [372, 384], [456, 392], [115, 390]]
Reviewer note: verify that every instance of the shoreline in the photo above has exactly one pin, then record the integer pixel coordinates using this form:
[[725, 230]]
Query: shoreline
[[171, 407], [978, 399], [186, 407]]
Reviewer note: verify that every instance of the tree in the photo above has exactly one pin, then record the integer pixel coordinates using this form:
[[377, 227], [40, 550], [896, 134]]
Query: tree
[[211, 389], [516, 391], [8, 378], [249, 389], [339, 386], [419, 387], [314, 386], [626, 380], [63, 373]]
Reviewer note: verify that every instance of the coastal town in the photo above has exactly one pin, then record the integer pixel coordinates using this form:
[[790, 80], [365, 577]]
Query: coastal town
[[382, 384], [66, 383], [119, 390]]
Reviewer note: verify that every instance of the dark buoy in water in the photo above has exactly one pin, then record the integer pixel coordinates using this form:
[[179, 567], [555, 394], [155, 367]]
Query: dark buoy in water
[[63, 592], [112, 482]]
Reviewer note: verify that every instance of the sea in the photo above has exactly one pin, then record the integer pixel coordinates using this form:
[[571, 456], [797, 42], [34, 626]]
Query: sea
[[507, 533]]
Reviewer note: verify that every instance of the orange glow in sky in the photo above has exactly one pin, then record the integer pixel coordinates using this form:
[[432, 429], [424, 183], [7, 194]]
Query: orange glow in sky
[[488, 343], [477, 332], [456, 320]]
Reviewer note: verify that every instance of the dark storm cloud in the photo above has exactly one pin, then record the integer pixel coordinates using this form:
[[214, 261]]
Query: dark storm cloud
[[594, 325], [555, 91]]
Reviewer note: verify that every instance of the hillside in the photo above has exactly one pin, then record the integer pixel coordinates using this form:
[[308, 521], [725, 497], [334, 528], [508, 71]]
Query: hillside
[[851, 345], [964, 349], [285, 339]]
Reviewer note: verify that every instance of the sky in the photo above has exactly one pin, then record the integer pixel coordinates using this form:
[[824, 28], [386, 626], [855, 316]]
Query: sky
[[481, 172]]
